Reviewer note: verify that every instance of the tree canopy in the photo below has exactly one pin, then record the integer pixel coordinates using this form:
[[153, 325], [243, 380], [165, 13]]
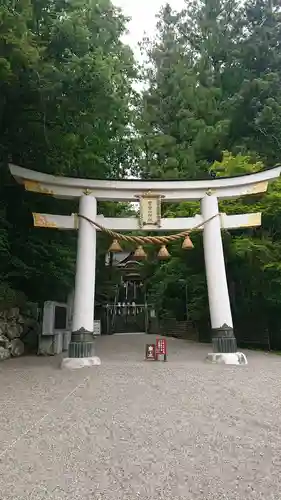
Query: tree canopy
[[66, 104]]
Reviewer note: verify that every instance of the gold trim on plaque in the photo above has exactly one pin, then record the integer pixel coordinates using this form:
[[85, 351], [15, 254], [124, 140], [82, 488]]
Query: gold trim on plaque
[[40, 220], [36, 187], [259, 187]]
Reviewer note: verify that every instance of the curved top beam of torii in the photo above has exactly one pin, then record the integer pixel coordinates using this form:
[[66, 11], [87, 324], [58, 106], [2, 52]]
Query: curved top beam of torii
[[131, 189]]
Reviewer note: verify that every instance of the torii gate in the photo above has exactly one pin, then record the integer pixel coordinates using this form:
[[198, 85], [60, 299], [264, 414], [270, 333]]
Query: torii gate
[[81, 347]]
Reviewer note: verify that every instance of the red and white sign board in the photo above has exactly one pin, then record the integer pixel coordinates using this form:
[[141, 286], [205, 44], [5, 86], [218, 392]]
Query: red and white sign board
[[161, 348]]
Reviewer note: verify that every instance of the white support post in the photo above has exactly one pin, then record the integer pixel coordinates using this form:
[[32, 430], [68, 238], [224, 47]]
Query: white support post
[[223, 339], [219, 303], [82, 338], [83, 312]]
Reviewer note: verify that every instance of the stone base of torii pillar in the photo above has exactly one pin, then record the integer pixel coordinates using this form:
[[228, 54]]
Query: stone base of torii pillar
[[227, 358], [76, 363]]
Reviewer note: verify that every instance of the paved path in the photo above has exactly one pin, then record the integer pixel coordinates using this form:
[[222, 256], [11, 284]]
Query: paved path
[[133, 430]]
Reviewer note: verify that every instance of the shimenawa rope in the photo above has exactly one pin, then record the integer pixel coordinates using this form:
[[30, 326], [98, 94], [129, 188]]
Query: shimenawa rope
[[141, 240]]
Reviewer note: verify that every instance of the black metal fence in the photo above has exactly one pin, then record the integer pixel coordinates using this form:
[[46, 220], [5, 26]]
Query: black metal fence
[[179, 329], [249, 334]]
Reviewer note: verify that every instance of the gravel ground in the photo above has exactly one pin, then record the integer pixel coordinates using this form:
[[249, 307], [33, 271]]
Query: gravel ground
[[132, 429]]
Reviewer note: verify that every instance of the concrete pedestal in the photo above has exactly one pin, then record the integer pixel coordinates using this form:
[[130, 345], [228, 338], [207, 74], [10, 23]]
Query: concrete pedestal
[[76, 363], [230, 358]]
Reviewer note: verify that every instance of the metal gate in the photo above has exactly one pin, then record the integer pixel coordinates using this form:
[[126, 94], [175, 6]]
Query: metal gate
[[126, 318]]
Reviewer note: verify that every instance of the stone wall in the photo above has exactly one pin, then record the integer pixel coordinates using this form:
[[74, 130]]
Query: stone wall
[[14, 326]]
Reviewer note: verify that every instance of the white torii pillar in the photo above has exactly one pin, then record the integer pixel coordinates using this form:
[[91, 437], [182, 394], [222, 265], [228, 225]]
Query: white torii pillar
[[82, 337], [223, 338]]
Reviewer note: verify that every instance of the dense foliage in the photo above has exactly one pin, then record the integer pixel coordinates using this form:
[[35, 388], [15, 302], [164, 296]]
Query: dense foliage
[[212, 101], [66, 104]]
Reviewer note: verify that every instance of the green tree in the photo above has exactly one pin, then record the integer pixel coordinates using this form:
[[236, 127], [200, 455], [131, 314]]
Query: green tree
[[66, 104], [184, 124]]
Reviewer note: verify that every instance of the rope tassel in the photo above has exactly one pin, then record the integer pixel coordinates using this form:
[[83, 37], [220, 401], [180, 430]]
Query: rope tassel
[[187, 243], [115, 247], [163, 253], [140, 253]]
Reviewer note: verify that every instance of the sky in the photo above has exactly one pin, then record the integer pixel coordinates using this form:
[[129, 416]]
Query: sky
[[143, 21]]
